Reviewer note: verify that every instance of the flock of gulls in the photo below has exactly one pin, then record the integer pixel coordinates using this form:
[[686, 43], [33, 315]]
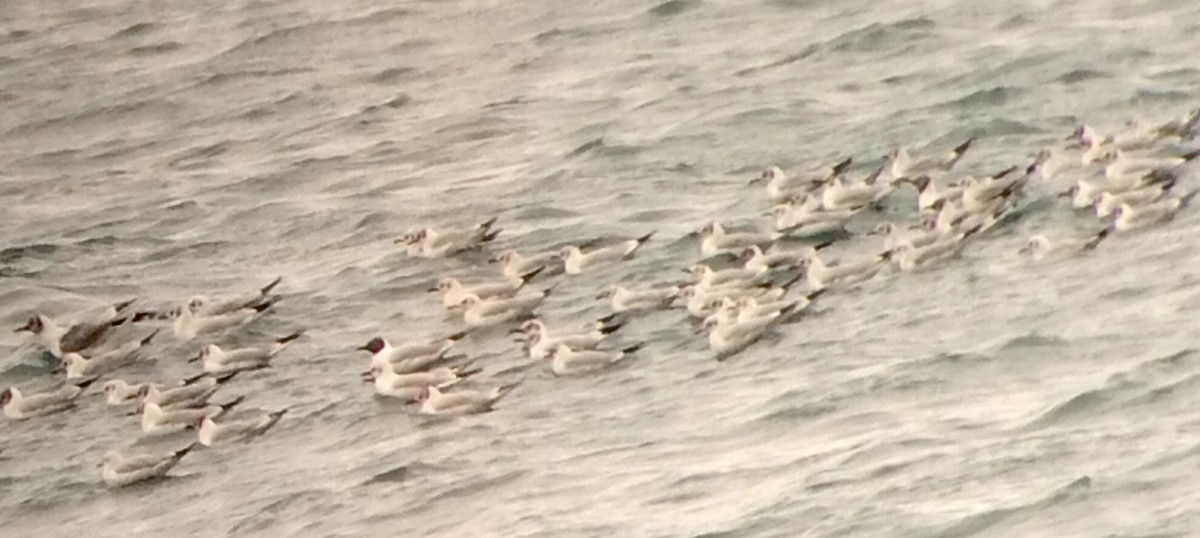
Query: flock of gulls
[[744, 286]]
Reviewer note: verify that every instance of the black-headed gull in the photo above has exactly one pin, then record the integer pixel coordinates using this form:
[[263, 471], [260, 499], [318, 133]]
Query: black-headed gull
[[1127, 217], [159, 421], [212, 432], [462, 401], [715, 240], [839, 194], [781, 187], [894, 236], [18, 406], [411, 357], [707, 277], [194, 392], [756, 260], [408, 386], [792, 219], [489, 312], [514, 265], [119, 470], [119, 391], [539, 340], [75, 338], [540, 344], [909, 257], [903, 165], [575, 260], [624, 299], [190, 325], [453, 290], [928, 193], [221, 361], [1039, 246], [430, 243], [728, 336], [821, 275], [1107, 202], [1127, 165], [202, 305], [568, 361], [78, 366]]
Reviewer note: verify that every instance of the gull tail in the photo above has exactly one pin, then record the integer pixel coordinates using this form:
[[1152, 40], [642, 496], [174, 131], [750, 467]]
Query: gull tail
[[192, 379], [457, 336], [232, 403], [148, 338], [637, 244], [1090, 245], [609, 318], [813, 295], [491, 235], [121, 306], [790, 282], [262, 306], [840, 168], [290, 337], [487, 225], [466, 369], [960, 149], [1186, 199], [179, 454], [143, 316], [272, 419], [87, 382], [525, 278], [504, 390], [874, 176], [225, 378], [824, 244], [266, 290], [609, 329], [633, 349], [1190, 155], [1005, 172]]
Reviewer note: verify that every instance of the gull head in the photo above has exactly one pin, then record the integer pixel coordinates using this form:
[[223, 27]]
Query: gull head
[[884, 228], [445, 284], [469, 300], [1035, 245], [374, 346], [6, 396], [712, 228], [35, 325], [699, 271], [750, 252], [686, 292], [608, 293], [532, 326], [768, 175], [505, 257], [1119, 210], [569, 251], [196, 303]]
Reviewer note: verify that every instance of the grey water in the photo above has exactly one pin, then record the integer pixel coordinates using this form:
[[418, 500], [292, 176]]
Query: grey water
[[165, 149]]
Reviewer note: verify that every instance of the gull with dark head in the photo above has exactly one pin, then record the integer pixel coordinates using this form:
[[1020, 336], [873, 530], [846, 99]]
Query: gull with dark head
[[18, 406]]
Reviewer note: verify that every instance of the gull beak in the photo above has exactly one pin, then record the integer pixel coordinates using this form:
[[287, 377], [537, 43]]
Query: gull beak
[[362, 348], [756, 181], [516, 331], [1064, 194], [397, 240], [432, 290], [196, 358], [602, 295], [493, 260]]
